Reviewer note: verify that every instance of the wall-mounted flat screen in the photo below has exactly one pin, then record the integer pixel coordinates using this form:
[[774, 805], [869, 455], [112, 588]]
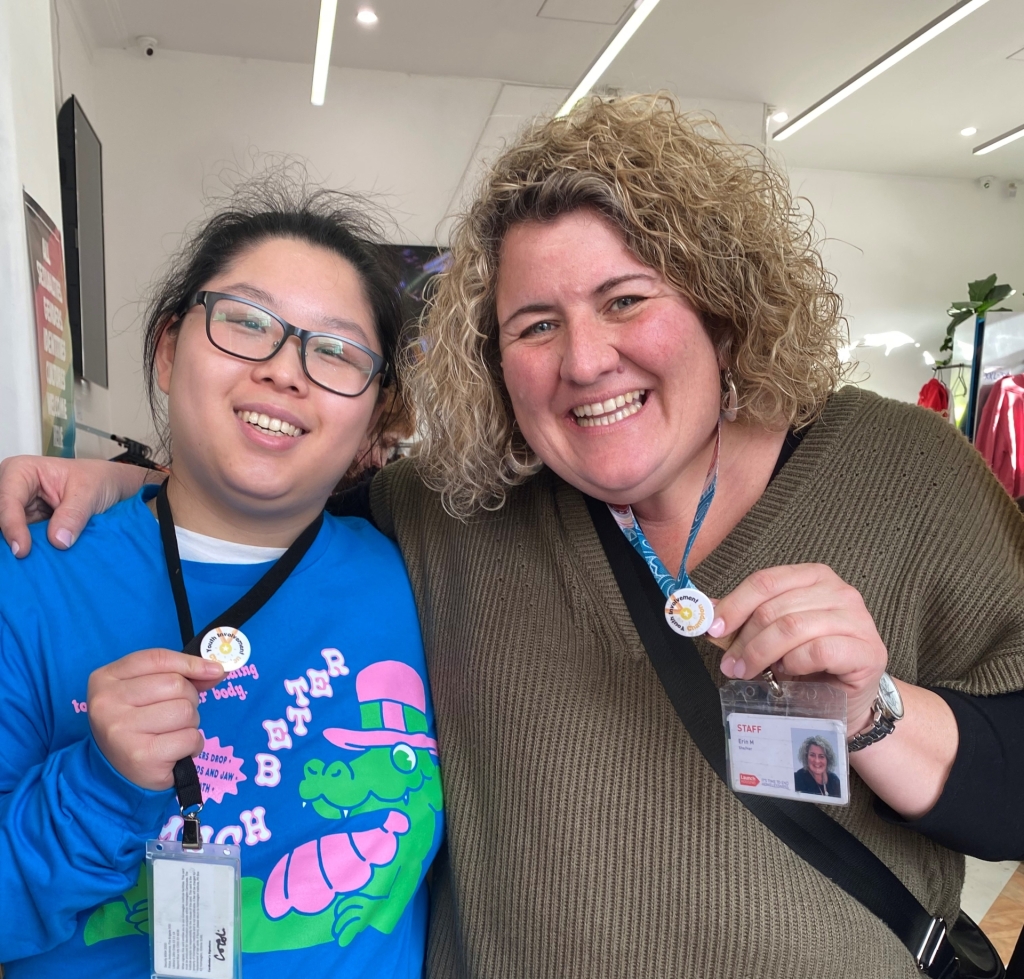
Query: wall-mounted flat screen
[[81, 187]]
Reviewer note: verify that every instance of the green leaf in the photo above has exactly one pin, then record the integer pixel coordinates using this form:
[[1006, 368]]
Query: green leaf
[[979, 289], [953, 306], [998, 294], [958, 318]]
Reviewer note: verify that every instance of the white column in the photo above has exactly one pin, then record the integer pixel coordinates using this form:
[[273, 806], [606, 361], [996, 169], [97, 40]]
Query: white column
[[24, 43]]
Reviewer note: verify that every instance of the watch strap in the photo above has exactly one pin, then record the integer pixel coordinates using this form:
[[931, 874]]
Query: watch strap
[[882, 728]]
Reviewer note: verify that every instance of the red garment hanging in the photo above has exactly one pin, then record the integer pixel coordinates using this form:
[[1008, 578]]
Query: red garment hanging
[[1000, 435], [935, 395]]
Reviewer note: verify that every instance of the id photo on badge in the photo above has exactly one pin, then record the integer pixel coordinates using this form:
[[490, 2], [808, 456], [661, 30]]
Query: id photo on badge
[[815, 752], [799, 758]]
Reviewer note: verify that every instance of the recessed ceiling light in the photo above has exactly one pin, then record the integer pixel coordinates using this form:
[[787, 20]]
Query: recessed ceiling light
[[780, 116], [969, 131], [366, 17], [931, 30]]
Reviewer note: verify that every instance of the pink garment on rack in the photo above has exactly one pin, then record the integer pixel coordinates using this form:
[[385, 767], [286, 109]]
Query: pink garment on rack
[[1000, 435]]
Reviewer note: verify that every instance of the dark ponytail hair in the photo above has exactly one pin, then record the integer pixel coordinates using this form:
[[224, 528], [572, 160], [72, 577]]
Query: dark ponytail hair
[[280, 203]]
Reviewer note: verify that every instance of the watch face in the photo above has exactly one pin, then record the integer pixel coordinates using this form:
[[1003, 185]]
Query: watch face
[[890, 697]]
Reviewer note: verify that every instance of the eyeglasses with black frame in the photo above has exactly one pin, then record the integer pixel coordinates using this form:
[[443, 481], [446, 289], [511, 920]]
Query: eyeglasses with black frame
[[249, 331]]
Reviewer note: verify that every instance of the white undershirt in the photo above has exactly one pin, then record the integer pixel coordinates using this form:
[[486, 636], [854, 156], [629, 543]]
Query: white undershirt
[[212, 550]]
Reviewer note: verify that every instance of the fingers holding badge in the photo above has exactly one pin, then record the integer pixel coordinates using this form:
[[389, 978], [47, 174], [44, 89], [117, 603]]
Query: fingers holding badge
[[143, 712], [806, 621], [227, 646]]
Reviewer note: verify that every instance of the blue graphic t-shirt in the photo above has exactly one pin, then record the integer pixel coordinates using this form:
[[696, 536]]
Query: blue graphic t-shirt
[[320, 757]]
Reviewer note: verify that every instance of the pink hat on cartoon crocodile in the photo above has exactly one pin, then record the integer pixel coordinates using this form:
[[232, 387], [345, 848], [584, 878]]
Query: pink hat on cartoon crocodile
[[392, 706]]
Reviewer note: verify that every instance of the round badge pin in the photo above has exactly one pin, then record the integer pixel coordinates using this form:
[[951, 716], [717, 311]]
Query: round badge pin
[[226, 646], [689, 612]]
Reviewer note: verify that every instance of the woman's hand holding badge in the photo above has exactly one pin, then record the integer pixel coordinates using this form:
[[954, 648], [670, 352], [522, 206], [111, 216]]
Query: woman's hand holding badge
[[804, 621], [143, 711]]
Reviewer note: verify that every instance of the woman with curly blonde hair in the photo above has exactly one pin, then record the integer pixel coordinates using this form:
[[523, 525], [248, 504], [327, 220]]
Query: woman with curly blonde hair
[[637, 334], [816, 775]]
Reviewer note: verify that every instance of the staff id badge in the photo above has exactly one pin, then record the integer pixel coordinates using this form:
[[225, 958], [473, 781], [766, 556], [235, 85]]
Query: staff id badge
[[787, 740], [195, 910]]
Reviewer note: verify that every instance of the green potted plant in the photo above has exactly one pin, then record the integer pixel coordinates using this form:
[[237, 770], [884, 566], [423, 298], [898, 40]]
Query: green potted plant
[[982, 295]]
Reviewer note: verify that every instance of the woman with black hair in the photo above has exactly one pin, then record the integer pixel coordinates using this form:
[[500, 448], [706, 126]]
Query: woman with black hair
[[307, 714]]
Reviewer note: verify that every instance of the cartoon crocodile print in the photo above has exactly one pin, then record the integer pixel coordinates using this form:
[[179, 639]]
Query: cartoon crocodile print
[[384, 797]]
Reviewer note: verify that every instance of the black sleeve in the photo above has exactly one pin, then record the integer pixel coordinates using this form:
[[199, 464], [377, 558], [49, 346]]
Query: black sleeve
[[352, 502], [981, 809]]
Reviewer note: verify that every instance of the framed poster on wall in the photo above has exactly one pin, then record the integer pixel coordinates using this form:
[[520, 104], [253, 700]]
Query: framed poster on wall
[[53, 331]]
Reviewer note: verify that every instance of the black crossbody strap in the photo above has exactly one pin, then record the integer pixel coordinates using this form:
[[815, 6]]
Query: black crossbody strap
[[814, 836]]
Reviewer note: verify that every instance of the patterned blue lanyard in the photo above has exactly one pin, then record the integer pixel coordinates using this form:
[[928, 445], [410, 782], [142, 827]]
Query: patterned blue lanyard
[[631, 528]]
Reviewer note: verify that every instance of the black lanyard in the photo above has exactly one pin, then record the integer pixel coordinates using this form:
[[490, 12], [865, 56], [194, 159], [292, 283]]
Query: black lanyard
[[186, 779]]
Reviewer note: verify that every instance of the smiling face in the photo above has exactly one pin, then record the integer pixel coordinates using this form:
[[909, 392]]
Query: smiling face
[[817, 761], [612, 377], [261, 439]]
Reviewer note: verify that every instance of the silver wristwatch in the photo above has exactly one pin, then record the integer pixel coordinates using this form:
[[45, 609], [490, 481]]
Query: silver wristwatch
[[888, 708]]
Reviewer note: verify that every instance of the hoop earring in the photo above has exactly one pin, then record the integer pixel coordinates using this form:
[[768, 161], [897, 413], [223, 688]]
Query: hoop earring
[[730, 398]]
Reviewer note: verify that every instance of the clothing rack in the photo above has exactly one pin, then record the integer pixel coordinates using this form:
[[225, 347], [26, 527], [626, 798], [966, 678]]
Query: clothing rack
[[949, 380]]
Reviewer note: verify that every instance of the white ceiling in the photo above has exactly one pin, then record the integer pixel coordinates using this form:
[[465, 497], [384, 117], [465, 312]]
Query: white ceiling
[[504, 39], [790, 53], [786, 53]]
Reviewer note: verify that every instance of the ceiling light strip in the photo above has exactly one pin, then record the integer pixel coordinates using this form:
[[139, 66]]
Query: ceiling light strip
[[911, 44], [324, 40], [999, 141], [608, 55]]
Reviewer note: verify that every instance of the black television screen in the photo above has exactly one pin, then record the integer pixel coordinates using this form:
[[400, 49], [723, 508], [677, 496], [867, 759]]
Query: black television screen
[[81, 188]]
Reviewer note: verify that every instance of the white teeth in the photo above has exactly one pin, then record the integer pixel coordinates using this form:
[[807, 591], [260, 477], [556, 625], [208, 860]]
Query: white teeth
[[612, 410], [270, 425], [610, 418]]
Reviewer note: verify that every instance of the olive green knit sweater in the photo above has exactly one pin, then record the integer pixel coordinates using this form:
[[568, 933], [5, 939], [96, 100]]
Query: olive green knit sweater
[[587, 836]]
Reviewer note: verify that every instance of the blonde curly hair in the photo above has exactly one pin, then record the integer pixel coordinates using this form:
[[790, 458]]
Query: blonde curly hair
[[716, 219]]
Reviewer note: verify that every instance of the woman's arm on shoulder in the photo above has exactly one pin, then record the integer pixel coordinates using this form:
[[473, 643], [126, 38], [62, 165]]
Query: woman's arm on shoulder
[[72, 490]]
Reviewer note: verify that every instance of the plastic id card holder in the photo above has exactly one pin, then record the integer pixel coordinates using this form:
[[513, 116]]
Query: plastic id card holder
[[195, 911], [787, 740]]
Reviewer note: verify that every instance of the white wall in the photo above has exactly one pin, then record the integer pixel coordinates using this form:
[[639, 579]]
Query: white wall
[[74, 72], [174, 125], [903, 248], [28, 159]]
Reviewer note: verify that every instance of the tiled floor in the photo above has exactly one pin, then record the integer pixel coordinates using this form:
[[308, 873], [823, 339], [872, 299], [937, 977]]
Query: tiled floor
[[1005, 918], [993, 896], [983, 883]]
